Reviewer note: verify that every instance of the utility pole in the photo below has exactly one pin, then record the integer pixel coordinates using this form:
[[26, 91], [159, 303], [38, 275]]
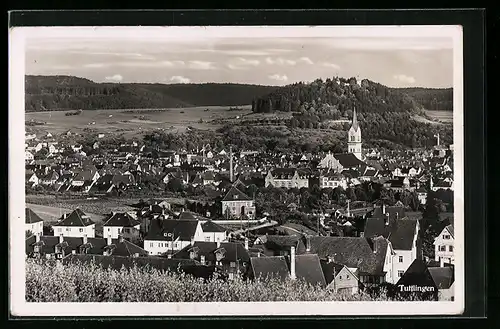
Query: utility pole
[[231, 163]]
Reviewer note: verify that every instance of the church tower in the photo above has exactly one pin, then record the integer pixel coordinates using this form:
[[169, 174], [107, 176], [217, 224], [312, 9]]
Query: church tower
[[354, 137]]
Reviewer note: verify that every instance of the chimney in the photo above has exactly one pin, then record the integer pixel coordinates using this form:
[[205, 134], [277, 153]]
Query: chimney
[[64, 216], [308, 243], [230, 164], [246, 243], [150, 207], [292, 263], [202, 259], [383, 208], [441, 262], [108, 240], [218, 244], [120, 238], [386, 219], [61, 238], [331, 259], [73, 252], [85, 239], [169, 256], [375, 246]]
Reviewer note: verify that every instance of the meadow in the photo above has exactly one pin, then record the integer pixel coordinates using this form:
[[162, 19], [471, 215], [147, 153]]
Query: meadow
[[133, 122], [76, 282]]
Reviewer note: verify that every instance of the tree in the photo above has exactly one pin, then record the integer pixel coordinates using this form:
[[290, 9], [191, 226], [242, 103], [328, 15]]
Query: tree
[[175, 185]]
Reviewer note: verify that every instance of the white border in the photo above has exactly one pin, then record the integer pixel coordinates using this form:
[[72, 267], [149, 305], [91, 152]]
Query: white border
[[19, 307]]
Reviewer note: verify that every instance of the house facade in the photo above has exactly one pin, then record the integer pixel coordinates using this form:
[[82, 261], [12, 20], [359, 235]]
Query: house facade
[[169, 236], [444, 246], [122, 224], [237, 204], [77, 224], [286, 178], [33, 222]]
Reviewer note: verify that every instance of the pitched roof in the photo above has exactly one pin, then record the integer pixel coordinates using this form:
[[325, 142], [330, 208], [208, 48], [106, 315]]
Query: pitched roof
[[367, 255], [171, 229], [235, 194], [443, 276], [188, 215], [355, 125], [400, 232], [232, 251], [348, 160], [394, 212], [308, 268], [76, 218], [330, 270], [210, 226], [451, 229], [284, 242], [266, 267], [121, 219], [32, 217], [418, 275], [96, 246], [117, 262]]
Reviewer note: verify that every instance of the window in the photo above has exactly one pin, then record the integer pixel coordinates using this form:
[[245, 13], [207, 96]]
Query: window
[[442, 248], [151, 244], [68, 229], [400, 259], [207, 239], [233, 264], [109, 229], [59, 229], [446, 236], [340, 277], [400, 273], [450, 248], [347, 277], [81, 230]]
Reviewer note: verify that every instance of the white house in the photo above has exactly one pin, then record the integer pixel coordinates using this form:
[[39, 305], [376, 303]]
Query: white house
[[237, 204], [33, 222], [444, 244], [32, 179], [332, 180], [402, 234], [171, 235], [213, 232], [286, 178], [77, 225], [28, 156], [121, 224]]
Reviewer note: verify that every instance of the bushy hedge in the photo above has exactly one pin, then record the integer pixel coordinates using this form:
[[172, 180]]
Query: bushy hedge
[[52, 282]]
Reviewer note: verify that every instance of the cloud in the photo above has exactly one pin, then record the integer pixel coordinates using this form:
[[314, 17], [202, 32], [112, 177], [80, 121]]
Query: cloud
[[180, 79], [243, 52], [253, 62], [307, 60], [114, 78], [201, 65], [94, 65], [404, 78], [331, 65], [280, 61], [241, 63], [278, 77]]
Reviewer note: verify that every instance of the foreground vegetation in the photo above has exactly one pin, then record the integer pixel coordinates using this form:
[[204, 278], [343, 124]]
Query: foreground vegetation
[[90, 283]]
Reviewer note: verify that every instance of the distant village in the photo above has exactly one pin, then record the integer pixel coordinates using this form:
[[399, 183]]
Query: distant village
[[234, 238]]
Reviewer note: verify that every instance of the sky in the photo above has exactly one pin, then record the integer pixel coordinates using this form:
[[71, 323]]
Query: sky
[[414, 61]]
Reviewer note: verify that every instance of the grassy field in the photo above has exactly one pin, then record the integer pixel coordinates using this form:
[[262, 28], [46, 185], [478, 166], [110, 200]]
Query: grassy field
[[441, 116], [131, 122]]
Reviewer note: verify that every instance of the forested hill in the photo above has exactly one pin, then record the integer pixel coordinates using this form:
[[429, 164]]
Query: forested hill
[[339, 95], [52, 93], [430, 98]]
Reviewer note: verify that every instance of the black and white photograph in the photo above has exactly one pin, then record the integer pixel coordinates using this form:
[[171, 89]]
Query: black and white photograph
[[243, 170]]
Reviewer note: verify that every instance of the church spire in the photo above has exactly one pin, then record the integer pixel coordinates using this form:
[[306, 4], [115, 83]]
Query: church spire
[[355, 125]]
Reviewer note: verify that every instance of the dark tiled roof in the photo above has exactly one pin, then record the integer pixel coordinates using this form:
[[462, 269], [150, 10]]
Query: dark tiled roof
[[171, 229], [188, 215], [235, 194], [308, 268], [32, 217], [367, 255], [232, 251], [265, 267], [76, 218], [121, 219], [443, 276], [96, 246], [284, 242], [400, 232], [210, 226], [117, 262], [394, 212], [417, 274], [348, 160], [451, 230]]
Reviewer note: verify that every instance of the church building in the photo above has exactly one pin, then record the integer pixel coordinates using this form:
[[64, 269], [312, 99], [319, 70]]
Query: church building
[[354, 138]]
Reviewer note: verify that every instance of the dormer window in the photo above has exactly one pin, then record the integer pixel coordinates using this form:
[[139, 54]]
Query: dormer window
[[446, 236]]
